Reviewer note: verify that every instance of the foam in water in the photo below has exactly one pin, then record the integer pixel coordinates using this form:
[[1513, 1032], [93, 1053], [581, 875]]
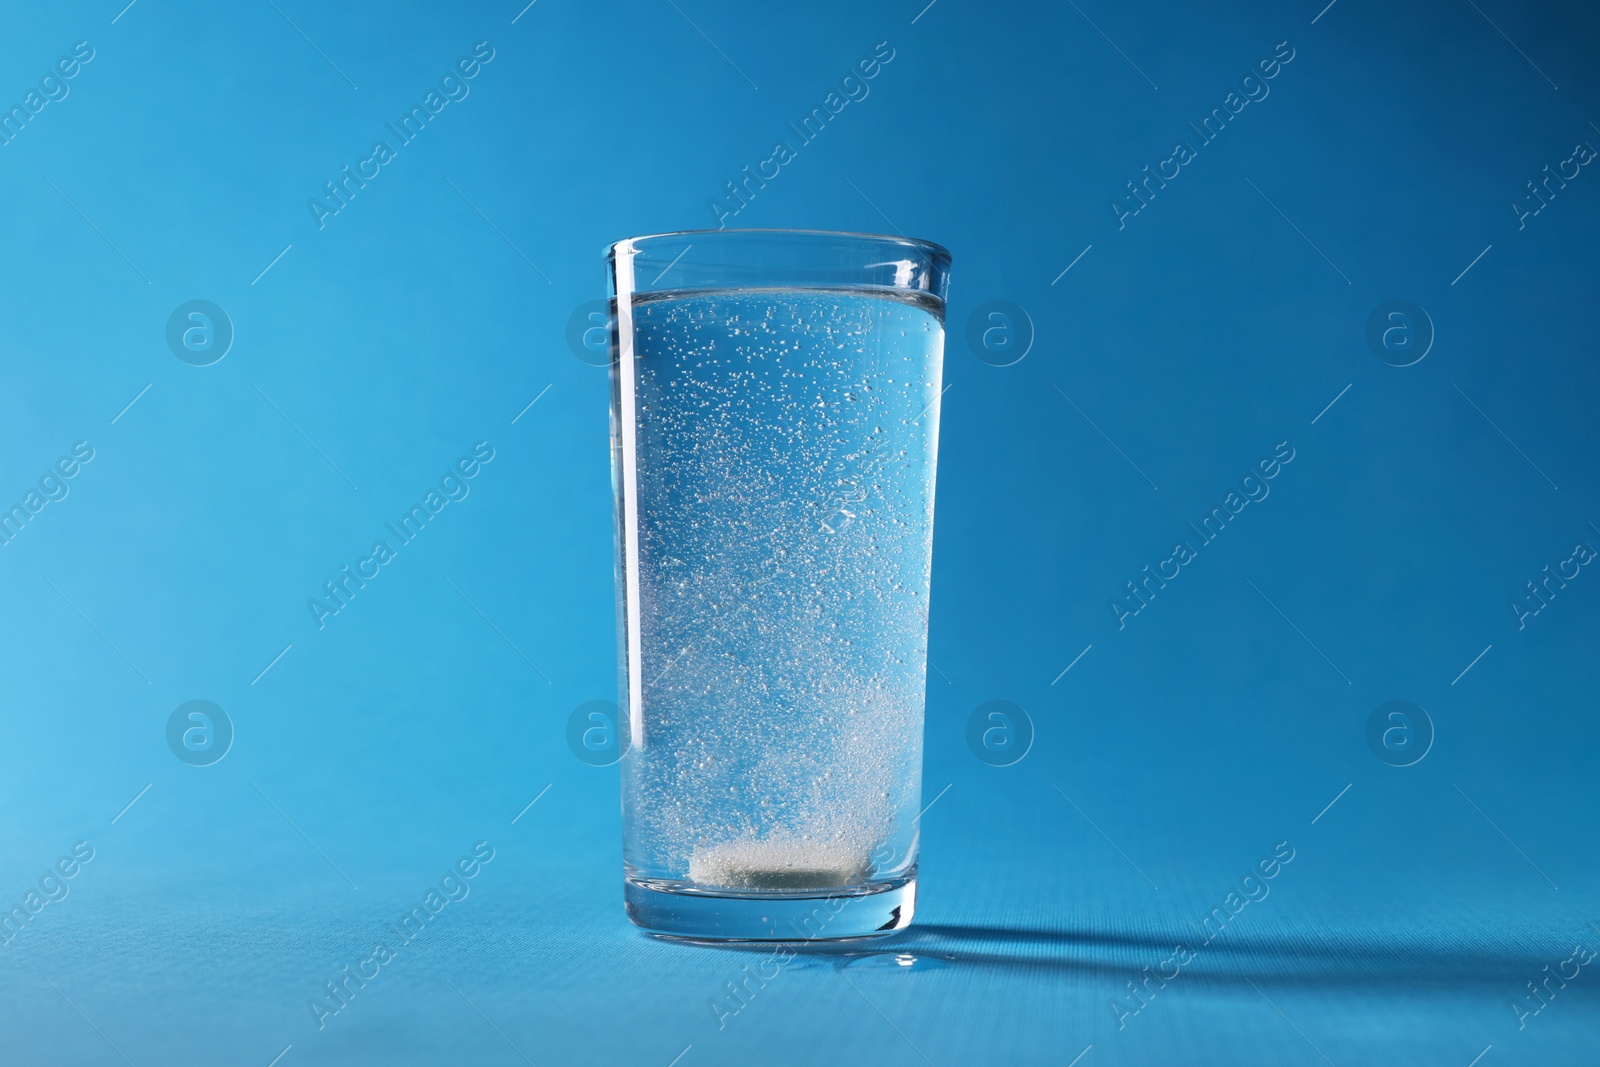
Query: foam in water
[[785, 462]]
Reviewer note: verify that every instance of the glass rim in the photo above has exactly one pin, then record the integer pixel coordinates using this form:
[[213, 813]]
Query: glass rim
[[939, 252]]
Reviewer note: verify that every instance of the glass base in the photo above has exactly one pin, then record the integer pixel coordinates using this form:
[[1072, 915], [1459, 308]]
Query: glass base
[[678, 909]]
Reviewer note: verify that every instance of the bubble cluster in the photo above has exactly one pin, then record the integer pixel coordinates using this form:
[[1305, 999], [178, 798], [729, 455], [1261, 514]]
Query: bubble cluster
[[786, 447]]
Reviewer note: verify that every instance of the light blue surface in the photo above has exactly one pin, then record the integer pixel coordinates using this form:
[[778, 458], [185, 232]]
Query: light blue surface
[[1178, 351]]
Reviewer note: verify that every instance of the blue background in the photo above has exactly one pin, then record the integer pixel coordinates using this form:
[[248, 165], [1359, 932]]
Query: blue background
[[371, 353]]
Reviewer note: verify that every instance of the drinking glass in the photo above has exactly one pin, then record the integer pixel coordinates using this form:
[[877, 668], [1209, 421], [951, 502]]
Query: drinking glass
[[774, 427]]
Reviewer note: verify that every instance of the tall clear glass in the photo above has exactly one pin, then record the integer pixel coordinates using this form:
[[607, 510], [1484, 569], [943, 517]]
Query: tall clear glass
[[775, 426]]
